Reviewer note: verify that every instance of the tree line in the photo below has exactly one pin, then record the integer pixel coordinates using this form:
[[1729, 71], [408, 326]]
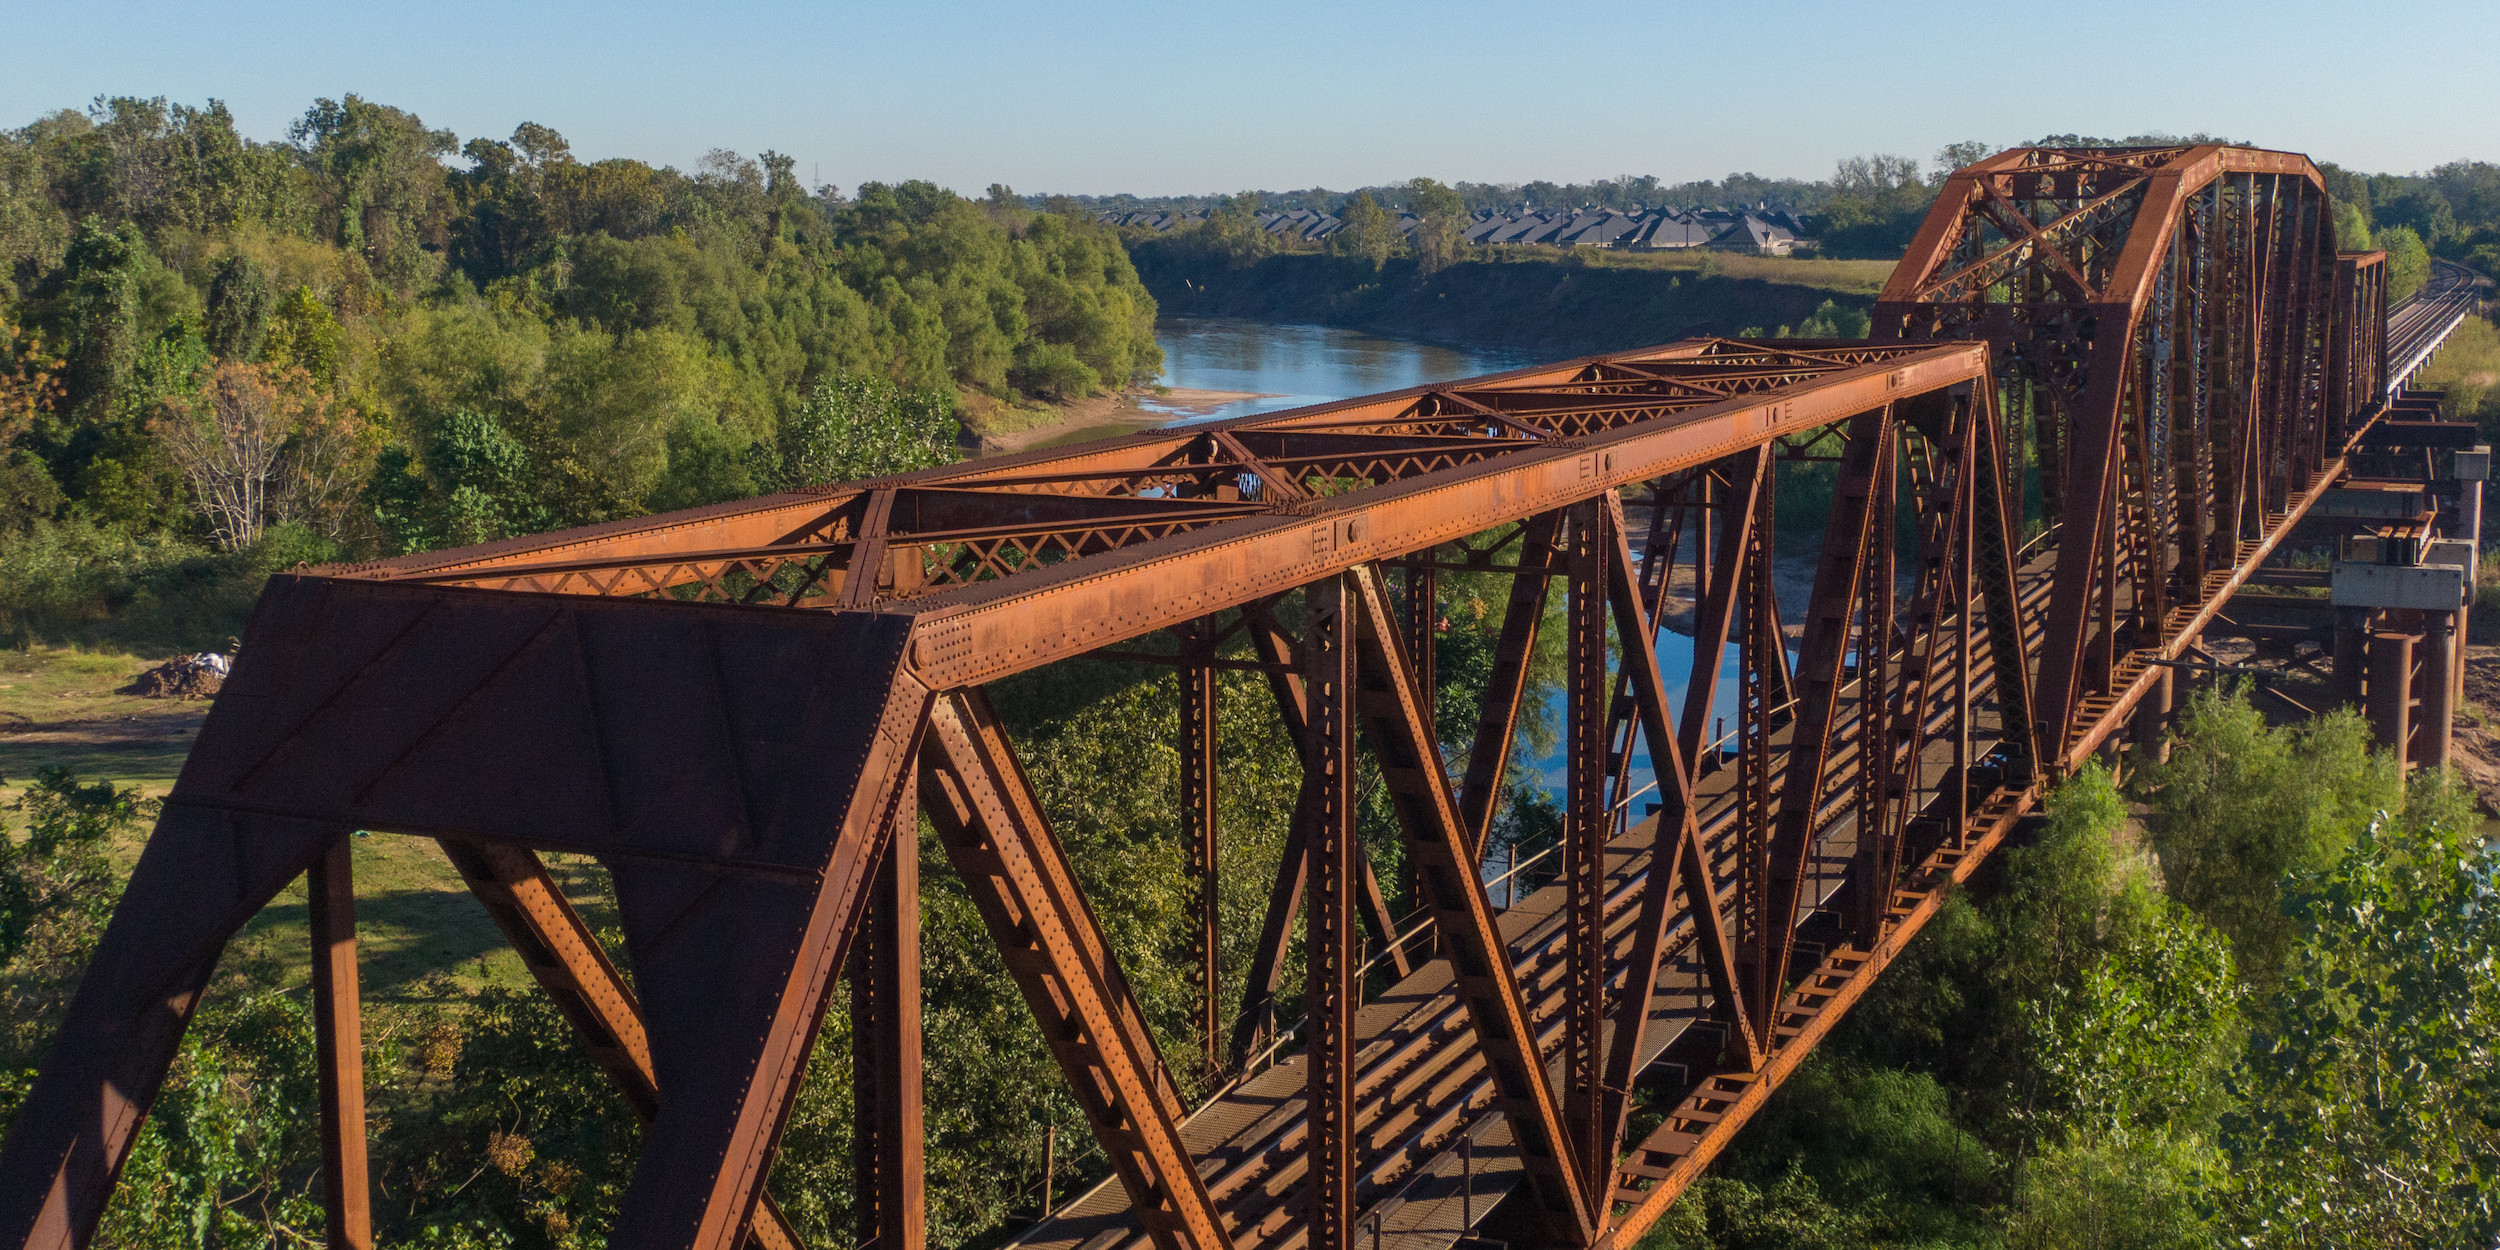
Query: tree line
[[374, 337], [2248, 998]]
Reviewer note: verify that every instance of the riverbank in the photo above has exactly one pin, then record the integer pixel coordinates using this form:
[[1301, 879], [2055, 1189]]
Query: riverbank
[[1550, 308], [997, 428]]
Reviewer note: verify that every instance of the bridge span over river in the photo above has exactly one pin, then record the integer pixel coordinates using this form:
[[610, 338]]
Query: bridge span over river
[[2108, 391]]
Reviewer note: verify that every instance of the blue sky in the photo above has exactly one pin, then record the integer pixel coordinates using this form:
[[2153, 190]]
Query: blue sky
[[1097, 96]]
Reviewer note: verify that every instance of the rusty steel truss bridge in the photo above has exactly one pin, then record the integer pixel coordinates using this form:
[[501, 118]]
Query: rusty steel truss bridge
[[735, 708]]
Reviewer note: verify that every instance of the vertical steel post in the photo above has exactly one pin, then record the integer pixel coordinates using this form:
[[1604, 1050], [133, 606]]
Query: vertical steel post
[[1328, 655], [886, 1077], [1759, 658], [1423, 627], [1586, 823], [2391, 691], [2352, 665], [1423, 645], [2152, 720], [1198, 737], [2440, 643], [1965, 610], [1869, 880], [338, 1048]]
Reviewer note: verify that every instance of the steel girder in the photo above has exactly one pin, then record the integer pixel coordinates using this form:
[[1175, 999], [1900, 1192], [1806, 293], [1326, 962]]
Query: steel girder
[[734, 707], [2192, 357]]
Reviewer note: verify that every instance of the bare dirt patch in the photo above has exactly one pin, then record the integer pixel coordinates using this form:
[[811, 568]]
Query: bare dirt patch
[[2475, 747]]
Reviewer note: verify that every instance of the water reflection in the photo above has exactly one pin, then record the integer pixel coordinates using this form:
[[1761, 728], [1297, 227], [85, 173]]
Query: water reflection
[[1291, 366]]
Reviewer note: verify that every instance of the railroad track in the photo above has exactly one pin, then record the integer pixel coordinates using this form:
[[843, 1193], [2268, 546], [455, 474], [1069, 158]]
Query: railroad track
[[2416, 327], [1425, 1090]]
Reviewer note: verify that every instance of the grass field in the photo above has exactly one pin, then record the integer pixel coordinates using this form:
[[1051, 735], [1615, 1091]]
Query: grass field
[[1850, 277], [2466, 372], [62, 706]]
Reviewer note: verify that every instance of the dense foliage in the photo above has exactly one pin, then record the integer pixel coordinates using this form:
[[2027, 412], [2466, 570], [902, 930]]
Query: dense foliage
[[381, 339], [2274, 1030]]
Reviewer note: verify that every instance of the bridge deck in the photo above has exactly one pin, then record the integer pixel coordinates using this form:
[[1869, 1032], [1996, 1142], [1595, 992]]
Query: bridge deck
[[1419, 1103]]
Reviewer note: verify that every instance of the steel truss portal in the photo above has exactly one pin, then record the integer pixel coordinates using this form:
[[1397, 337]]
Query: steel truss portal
[[737, 708]]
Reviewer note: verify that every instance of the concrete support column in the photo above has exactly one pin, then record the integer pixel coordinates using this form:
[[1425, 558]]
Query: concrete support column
[[2352, 632], [2439, 682], [2391, 689], [2152, 719]]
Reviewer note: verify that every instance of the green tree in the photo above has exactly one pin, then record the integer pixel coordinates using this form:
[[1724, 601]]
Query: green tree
[[302, 334], [2408, 261], [854, 427], [2374, 1093], [1440, 217], [378, 174], [2123, 1190], [1831, 321], [473, 484], [2241, 806], [1370, 233], [238, 309], [2352, 227]]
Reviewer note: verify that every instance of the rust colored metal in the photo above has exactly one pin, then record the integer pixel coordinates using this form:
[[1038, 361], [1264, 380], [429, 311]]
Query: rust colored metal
[[1198, 808], [1587, 826], [339, 1048], [741, 710], [886, 1077], [1332, 988], [1000, 843]]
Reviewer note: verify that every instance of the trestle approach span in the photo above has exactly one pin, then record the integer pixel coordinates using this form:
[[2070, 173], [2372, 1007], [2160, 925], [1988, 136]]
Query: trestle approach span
[[735, 708]]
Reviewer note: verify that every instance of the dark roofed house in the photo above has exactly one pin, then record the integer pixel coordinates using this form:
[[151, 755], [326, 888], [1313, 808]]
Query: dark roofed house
[[1754, 236], [1512, 231], [1482, 231], [1543, 228], [1676, 232], [1608, 230]]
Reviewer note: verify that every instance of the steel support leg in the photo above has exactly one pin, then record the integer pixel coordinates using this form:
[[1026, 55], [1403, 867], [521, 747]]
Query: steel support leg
[[1332, 954], [2391, 692], [1838, 585], [886, 1076], [1586, 824], [2440, 644], [204, 873], [2352, 664], [339, 1049], [559, 949], [2152, 719], [1198, 736]]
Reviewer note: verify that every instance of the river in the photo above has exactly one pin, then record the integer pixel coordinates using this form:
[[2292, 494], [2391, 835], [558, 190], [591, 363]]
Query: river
[[1289, 366]]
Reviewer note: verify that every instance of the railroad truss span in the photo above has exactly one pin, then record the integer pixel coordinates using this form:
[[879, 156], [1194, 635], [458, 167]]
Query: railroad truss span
[[735, 709]]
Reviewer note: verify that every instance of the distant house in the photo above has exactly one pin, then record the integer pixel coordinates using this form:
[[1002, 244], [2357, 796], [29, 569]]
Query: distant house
[[1482, 229], [1513, 230], [1609, 230], [1675, 232], [1753, 236], [1544, 229]]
